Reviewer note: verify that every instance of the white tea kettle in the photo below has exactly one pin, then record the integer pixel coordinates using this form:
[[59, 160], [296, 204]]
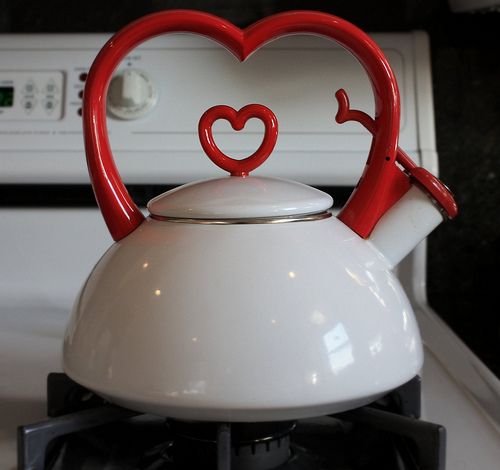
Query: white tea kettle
[[242, 298]]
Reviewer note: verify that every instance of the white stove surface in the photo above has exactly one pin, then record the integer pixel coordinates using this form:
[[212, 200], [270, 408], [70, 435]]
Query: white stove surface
[[458, 391]]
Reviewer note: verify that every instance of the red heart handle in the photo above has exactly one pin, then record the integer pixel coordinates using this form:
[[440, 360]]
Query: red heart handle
[[382, 182], [238, 119]]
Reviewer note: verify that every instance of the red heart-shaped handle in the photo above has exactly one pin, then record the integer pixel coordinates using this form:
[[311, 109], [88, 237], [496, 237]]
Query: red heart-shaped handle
[[376, 189], [382, 182], [238, 119]]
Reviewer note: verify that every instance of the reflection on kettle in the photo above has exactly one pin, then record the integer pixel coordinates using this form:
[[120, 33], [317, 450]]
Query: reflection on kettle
[[338, 348]]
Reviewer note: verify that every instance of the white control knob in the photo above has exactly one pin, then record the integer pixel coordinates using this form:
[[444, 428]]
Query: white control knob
[[132, 94]]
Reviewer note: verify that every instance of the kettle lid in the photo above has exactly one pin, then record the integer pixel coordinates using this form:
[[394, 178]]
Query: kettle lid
[[233, 197], [239, 196]]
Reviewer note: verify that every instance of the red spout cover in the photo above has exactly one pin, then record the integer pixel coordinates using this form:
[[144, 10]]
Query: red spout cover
[[436, 189]]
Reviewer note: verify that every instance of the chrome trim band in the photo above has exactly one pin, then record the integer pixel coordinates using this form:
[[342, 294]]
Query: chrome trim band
[[243, 221]]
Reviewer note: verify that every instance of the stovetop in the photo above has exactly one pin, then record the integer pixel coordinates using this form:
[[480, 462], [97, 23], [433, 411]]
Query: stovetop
[[85, 432]]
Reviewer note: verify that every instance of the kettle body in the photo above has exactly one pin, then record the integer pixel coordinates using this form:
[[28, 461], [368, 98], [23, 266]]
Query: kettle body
[[258, 322]]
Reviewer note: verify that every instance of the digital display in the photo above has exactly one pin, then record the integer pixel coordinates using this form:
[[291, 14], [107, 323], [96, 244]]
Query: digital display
[[6, 96]]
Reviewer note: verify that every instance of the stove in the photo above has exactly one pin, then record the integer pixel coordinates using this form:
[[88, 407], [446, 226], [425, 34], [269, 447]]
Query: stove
[[53, 235]]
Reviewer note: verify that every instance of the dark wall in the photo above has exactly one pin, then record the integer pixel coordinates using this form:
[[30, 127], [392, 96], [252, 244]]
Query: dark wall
[[463, 255]]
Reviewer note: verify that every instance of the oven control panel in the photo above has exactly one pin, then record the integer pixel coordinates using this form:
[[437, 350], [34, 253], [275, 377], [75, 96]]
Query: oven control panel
[[161, 89], [32, 95]]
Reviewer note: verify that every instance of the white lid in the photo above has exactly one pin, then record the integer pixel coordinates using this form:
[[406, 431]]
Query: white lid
[[236, 197]]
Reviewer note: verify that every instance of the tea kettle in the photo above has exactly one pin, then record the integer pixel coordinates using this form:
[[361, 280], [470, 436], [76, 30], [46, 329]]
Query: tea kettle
[[242, 298]]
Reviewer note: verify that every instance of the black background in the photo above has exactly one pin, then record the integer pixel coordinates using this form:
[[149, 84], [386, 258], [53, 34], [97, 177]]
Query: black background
[[463, 254]]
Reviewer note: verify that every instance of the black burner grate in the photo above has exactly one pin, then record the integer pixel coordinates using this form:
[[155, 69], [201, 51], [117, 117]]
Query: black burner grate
[[87, 433]]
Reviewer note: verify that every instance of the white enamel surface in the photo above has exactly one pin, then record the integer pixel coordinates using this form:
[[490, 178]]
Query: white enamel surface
[[237, 197], [405, 225], [242, 323]]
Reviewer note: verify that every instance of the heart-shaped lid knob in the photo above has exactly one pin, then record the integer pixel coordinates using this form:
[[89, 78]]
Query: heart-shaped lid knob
[[239, 196], [238, 119]]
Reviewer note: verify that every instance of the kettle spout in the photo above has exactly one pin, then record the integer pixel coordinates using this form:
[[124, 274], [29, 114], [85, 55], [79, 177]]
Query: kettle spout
[[396, 203], [408, 222]]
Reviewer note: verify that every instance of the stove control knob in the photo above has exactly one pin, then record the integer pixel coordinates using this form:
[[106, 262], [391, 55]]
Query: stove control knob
[[132, 94]]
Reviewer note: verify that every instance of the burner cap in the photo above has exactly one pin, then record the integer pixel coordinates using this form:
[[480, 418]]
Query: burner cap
[[254, 446]]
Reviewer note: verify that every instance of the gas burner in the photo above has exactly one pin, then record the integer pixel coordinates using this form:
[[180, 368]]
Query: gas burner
[[85, 432], [253, 446]]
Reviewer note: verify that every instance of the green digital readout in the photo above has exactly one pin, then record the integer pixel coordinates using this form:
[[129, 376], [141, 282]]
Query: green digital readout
[[6, 96]]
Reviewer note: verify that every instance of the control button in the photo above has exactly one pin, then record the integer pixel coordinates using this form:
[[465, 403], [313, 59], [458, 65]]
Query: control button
[[132, 94], [79, 112], [80, 94], [29, 88], [28, 105], [50, 87], [49, 105], [83, 76]]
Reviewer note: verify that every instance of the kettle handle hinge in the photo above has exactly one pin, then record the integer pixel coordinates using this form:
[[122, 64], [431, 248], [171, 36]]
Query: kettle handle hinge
[[408, 173]]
